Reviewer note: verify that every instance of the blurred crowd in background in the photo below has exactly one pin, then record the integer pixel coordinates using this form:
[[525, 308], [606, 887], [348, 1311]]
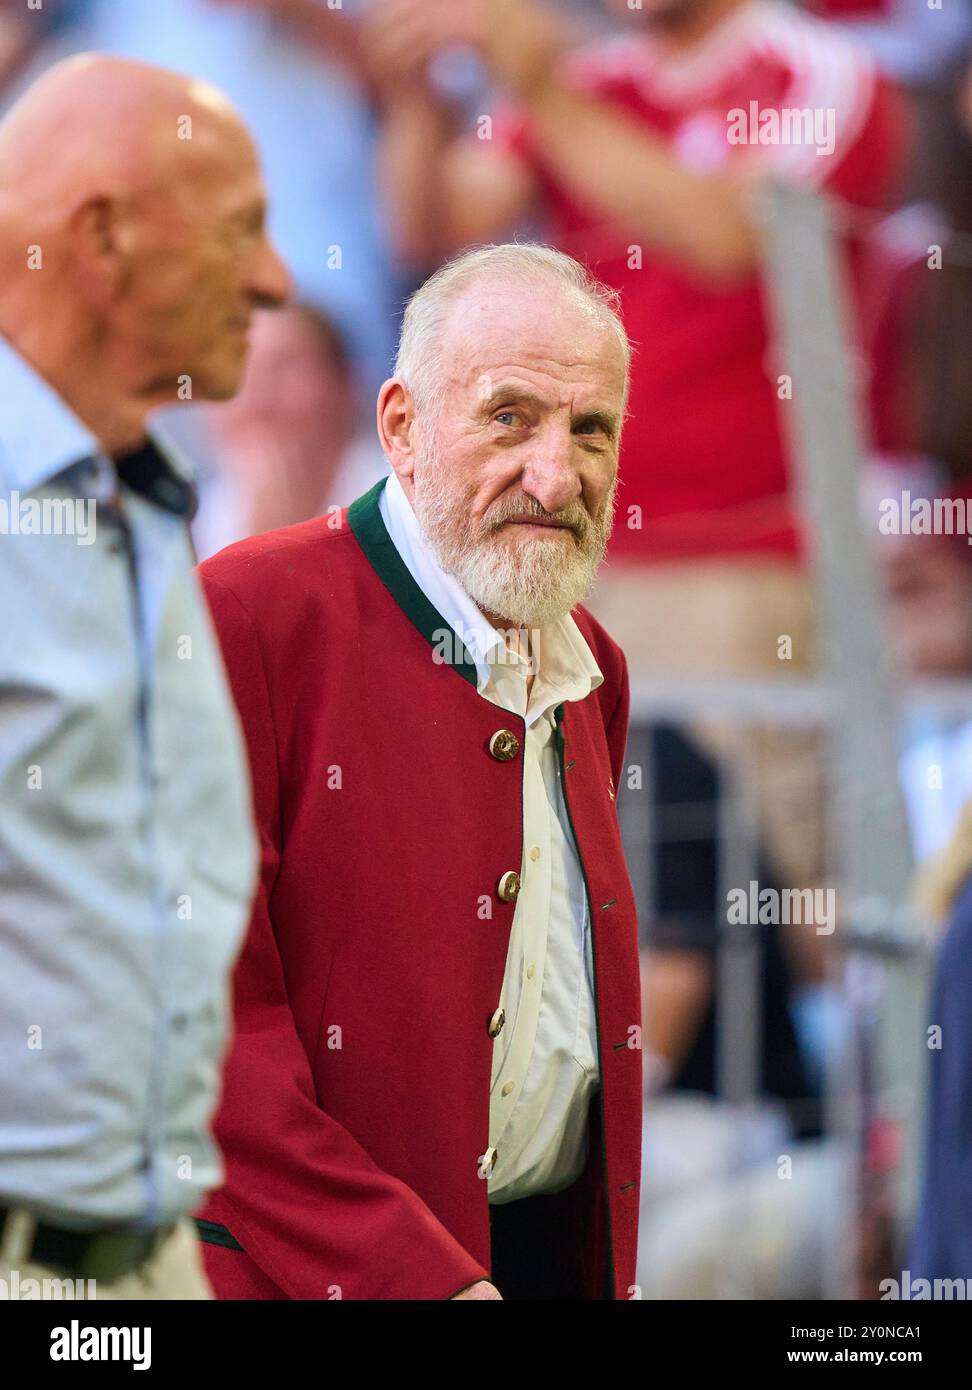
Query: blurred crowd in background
[[393, 133]]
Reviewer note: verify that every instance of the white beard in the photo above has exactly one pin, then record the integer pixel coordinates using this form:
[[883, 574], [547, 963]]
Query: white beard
[[530, 581]]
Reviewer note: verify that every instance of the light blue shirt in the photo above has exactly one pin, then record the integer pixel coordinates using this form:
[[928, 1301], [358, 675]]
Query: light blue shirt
[[127, 854]]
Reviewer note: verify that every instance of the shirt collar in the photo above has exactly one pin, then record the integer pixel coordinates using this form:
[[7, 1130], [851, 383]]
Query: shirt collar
[[41, 438], [40, 435], [444, 592], [565, 665]]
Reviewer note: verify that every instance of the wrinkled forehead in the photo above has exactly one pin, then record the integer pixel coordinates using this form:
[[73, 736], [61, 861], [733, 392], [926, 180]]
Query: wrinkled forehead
[[543, 330]]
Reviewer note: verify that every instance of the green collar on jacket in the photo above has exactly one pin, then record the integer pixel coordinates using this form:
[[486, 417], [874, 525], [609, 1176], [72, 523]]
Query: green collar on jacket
[[365, 520]]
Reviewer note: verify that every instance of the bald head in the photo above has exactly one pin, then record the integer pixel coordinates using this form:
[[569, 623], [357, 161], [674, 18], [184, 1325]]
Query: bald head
[[136, 194], [99, 126]]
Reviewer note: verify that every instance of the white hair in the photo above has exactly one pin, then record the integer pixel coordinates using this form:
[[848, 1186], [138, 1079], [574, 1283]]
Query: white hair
[[420, 363]]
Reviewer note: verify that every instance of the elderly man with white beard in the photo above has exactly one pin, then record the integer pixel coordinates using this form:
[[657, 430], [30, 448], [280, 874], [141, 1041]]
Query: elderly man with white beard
[[435, 1086]]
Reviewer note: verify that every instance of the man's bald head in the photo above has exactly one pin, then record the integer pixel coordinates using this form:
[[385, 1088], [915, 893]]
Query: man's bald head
[[100, 124], [132, 203]]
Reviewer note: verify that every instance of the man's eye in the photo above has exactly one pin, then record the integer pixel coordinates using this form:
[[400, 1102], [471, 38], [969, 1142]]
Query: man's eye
[[505, 417], [588, 427]]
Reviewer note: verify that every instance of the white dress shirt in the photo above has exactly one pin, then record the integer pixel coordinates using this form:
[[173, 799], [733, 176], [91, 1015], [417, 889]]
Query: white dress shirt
[[545, 1067]]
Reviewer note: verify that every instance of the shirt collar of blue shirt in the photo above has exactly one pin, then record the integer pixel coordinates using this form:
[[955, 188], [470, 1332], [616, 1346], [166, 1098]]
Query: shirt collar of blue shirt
[[41, 438]]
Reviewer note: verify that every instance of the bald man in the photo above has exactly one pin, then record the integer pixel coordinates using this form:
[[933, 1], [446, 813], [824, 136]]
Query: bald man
[[134, 251]]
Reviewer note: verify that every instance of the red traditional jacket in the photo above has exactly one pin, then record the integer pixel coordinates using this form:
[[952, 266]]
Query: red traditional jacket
[[355, 1110]]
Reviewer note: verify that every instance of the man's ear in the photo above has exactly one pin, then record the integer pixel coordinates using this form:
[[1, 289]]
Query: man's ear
[[99, 238], [396, 418]]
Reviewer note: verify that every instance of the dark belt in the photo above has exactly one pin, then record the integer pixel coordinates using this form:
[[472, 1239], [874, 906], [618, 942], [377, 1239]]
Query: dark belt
[[106, 1255]]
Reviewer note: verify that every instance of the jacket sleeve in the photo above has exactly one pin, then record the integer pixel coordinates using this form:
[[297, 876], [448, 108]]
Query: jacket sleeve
[[302, 1197]]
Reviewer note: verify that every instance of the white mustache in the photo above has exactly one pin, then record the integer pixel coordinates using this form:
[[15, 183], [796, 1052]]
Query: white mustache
[[579, 524]]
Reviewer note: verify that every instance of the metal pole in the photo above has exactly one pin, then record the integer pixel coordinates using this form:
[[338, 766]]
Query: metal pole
[[870, 837]]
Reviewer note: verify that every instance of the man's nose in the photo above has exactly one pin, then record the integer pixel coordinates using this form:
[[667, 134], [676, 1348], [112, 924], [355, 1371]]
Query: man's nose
[[550, 477], [271, 282]]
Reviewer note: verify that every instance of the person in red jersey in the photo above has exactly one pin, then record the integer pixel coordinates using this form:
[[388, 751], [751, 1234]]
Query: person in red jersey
[[638, 154], [630, 152]]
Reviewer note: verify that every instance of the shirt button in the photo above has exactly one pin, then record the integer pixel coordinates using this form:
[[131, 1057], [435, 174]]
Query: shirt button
[[507, 1089], [509, 886], [504, 745], [535, 853], [496, 1023], [487, 1162], [531, 971]]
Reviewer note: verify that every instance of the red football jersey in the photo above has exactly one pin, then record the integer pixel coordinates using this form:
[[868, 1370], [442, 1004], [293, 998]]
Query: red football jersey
[[704, 454]]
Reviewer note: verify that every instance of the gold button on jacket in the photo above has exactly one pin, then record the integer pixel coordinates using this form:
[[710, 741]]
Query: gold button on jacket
[[509, 886], [504, 745], [496, 1023]]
